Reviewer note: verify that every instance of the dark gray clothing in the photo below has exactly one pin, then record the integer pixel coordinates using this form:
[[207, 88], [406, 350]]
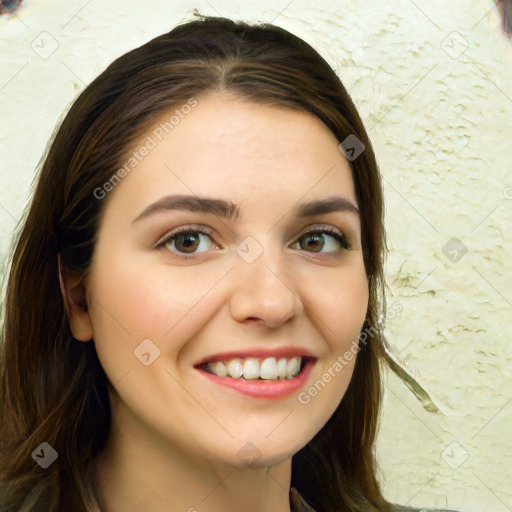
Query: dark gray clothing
[[299, 504]]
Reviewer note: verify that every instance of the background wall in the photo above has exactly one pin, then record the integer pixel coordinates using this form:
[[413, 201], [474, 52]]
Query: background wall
[[433, 82]]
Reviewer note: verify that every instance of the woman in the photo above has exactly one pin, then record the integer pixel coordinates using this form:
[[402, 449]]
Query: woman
[[192, 309]]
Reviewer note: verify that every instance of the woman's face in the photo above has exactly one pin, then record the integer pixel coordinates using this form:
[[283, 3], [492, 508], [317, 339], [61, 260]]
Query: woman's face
[[256, 292]]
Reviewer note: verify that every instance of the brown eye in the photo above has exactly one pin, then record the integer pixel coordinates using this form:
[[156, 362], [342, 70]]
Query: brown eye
[[186, 241], [315, 241]]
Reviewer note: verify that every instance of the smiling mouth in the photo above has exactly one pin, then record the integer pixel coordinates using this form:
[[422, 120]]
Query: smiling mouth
[[254, 368]]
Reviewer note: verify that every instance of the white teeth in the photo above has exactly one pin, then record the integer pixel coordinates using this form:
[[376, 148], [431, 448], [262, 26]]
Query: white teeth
[[268, 369], [293, 366], [219, 368], [235, 368], [281, 368], [252, 368]]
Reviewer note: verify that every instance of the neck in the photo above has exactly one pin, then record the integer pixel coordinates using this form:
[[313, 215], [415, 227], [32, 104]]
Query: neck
[[139, 470]]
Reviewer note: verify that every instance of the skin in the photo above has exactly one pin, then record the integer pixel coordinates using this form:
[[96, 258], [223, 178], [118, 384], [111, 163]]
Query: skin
[[175, 438]]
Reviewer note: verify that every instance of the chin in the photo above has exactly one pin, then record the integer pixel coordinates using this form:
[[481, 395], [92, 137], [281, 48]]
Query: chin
[[264, 451]]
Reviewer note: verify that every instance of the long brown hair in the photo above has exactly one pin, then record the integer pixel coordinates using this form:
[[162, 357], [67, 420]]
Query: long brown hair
[[53, 388]]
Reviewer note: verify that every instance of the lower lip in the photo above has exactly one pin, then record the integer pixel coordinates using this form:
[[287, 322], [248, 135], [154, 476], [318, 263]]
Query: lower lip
[[269, 389]]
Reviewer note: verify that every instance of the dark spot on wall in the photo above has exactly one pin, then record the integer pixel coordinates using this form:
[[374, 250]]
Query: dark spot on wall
[[505, 10], [9, 6]]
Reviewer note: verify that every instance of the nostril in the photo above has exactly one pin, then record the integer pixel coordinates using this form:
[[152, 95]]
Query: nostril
[[253, 320]]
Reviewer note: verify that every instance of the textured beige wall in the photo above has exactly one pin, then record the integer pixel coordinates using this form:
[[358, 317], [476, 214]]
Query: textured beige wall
[[433, 82]]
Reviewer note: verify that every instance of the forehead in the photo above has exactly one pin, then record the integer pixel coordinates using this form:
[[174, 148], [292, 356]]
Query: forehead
[[238, 149]]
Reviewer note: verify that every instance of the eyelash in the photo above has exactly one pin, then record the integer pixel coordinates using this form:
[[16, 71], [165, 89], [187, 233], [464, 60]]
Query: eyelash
[[320, 230]]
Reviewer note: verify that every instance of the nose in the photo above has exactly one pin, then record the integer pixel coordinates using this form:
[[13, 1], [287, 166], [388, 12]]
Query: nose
[[264, 291]]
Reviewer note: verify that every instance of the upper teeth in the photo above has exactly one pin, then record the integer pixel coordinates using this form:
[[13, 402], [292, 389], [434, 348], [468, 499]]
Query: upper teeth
[[253, 368]]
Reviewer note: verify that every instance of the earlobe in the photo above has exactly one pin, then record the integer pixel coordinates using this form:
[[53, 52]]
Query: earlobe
[[74, 297]]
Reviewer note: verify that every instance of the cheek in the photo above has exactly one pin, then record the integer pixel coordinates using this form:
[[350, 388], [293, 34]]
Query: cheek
[[342, 307], [134, 299], [140, 298], [126, 308], [341, 311]]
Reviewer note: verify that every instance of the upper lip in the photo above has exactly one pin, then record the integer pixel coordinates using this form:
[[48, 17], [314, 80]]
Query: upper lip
[[258, 353]]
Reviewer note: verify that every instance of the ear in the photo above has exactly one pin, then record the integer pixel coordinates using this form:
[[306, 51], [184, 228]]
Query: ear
[[74, 296]]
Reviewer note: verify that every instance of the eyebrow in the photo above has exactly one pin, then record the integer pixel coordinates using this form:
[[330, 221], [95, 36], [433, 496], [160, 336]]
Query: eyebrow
[[228, 210]]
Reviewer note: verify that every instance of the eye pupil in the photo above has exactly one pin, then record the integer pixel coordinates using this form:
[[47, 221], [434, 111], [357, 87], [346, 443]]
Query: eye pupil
[[188, 239], [312, 237]]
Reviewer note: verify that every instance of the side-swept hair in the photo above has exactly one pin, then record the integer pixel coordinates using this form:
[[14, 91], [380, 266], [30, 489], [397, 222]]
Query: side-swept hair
[[53, 388]]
